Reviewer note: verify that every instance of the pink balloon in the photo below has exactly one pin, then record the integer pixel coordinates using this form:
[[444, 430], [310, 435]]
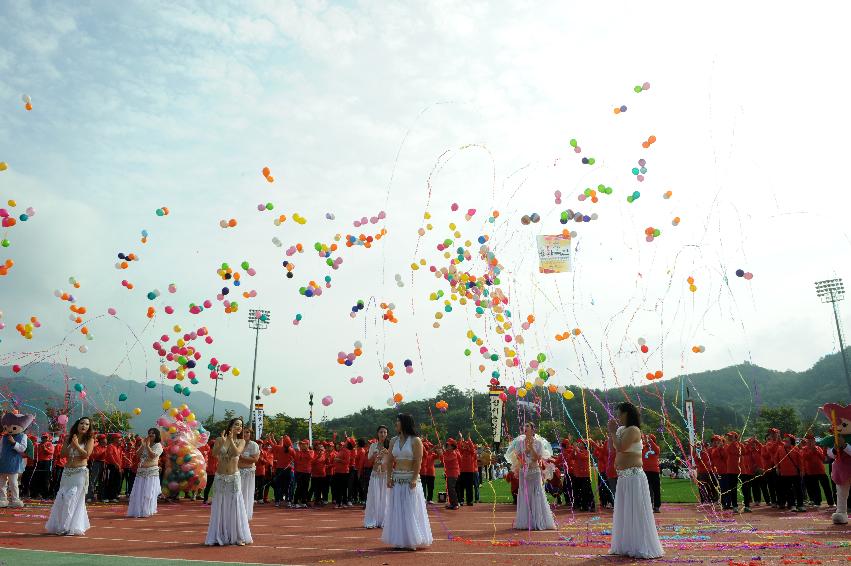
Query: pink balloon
[[208, 304], [83, 394], [169, 310], [62, 419], [251, 271], [111, 311]]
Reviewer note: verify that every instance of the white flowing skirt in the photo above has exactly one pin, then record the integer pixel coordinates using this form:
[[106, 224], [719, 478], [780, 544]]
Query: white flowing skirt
[[406, 522], [146, 488], [533, 509], [228, 520], [246, 478], [376, 501], [68, 515], [634, 529]]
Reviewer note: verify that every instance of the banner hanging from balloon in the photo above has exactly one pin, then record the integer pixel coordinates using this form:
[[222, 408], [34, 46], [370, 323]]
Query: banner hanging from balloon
[[496, 413], [258, 420], [554, 254]]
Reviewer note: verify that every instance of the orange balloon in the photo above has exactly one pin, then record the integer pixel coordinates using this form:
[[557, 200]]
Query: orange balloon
[[266, 171], [232, 222]]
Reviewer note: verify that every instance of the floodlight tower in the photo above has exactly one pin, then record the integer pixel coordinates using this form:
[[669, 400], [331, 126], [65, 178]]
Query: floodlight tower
[[832, 291], [258, 319]]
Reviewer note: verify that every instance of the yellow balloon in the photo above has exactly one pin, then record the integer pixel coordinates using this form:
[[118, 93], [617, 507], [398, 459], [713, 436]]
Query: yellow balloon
[[235, 372], [173, 411], [528, 385], [180, 343], [190, 417], [521, 392], [166, 405], [177, 328], [568, 394], [184, 407], [172, 430], [137, 411]]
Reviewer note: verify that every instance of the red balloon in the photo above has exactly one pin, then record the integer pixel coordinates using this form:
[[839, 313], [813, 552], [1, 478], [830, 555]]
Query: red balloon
[[16, 368]]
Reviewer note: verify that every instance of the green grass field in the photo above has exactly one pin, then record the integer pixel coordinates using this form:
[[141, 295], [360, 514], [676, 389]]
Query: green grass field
[[673, 490]]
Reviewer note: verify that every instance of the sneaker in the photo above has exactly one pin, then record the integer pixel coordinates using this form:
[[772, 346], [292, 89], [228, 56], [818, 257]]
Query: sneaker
[[747, 510], [800, 510], [656, 510], [277, 504]]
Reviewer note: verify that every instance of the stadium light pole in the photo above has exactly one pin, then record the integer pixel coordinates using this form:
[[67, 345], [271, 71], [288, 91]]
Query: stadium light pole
[[258, 319], [832, 291]]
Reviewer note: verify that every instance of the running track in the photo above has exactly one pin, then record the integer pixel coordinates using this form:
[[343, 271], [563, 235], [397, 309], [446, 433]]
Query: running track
[[478, 535]]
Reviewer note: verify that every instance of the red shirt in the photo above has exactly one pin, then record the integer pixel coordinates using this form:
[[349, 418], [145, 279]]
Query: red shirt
[[303, 461], [58, 459], [750, 458], [317, 466], [132, 453], [469, 462], [650, 460], [353, 458], [733, 457], [360, 459], [611, 471], [45, 451], [427, 467], [98, 453], [565, 460], [768, 455], [813, 460], [600, 458], [265, 462], [451, 464], [556, 479], [788, 460], [330, 454], [283, 455], [718, 459], [701, 461], [114, 456], [212, 462], [341, 460], [581, 467]]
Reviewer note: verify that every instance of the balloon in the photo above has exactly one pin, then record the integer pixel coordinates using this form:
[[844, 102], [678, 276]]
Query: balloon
[[78, 387], [327, 400], [122, 397], [82, 394], [16, 368], [62, 419], [137, 411], [151, 384]]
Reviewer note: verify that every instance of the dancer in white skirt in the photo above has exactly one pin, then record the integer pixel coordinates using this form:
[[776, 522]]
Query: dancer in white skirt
[[248, 470], [406, 524], [68, 515], [525, 455], [633, 528], [228, 519], [376, 495], [146, 487]]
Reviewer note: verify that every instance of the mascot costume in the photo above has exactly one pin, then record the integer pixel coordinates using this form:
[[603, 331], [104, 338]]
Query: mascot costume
[[13, 445], [839, 450]]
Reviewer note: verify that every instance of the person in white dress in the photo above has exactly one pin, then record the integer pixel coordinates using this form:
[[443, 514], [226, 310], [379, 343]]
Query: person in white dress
[[68, 515], [146, 487], [247, 471], [376, 494], [228, 519], [525, 455], [406, 524], [633, 527]]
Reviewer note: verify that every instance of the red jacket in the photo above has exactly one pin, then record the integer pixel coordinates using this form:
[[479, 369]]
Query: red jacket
[[733, 457], [514, 481], [769, 453], [555, 482], [58, 459], [813, 460], [303, 461], [114, 456], [317, 465], [600, 457], [751, 459], [451, 464], [427, 466], [788, 460], [581, 468], [341, 460], [284, 456], [212, 462], [650, 460], [701, 460], [360, 460], [330, 454], [44, 453], [131, 457], [265, 463], [469, 462], [98, 453], [718, 459]]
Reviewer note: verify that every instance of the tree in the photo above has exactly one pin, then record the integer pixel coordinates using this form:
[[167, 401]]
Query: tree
[[217, 427], [784, 418], [552, 430], [111, 421], [52, 413]]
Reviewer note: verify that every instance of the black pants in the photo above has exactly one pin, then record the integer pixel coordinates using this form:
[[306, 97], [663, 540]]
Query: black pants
[[428, 487], [353, 486], [583, 498], [283, 477], [789, 492], [338, 488], [815, 485], [318, 489], [302, 481], [760, 489], [26, 481], [466, 484], [113, 482], [56, 480], [748, 488], [567, 489], [210, 479], [364, 483], [606, 493], [772, 480], [729, 491], [40, 483], [130, 478], [655, 488], [261, 487], [707, 488]]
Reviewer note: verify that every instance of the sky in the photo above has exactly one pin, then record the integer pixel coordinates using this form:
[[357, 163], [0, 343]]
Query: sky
[[406, 108]]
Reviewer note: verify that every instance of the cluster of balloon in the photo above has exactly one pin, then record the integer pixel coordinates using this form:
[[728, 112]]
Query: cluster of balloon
[[264, 207], [620, 109], [588, 161], [325, 252], [249, 294], [124, 260], [441, 406], [298, 219], [363, 239], [372, 220], [153, 294], [399, 282], [327, 401], [388, 312], [651, 376], [650, 141], [536, 366], [9, 221], [330, 216], [271, 390], [127, 284], [228, 223], [590, 193], [217, 369], [691, 286], [651, 233], [698, 349], [566, 334], [639, 88], [279, 220], [81, 391], [568, 215], [640, 170], [6, 267], [428, 226], [675, 221], [527, 219], [312, 290], [409, 366], [267, 174], [357, 307], [184, 355], [575, 145], [388, 371], [26, 330], [557, 195], [182, 435], [297, 319], [28, 103], [746, 274], [356, 380], [395, 400], [291, 251], [633, 197], [667, 194], [347, 360], [144, 236], [162, 211], [642, 345]]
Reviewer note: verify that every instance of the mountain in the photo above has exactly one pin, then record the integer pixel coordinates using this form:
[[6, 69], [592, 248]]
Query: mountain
[[43, 383]]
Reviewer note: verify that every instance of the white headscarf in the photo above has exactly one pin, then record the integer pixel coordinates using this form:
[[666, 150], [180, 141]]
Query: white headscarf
[[517, 448]]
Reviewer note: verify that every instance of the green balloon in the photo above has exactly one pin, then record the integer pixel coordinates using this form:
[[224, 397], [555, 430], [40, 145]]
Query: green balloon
[[186, 391], [178, 388], [122, 397], [78, 387], [637, 89], [151, 384]]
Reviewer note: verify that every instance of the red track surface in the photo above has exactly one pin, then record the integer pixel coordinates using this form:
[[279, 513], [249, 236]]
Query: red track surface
[[477, 535]]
